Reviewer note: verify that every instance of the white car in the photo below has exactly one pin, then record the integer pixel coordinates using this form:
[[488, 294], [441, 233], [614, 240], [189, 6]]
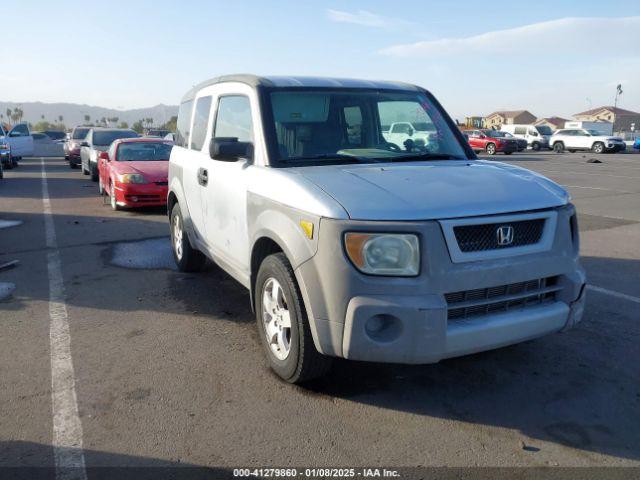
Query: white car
[[352, 247], [17, 142], [401, 132], [574, 139]]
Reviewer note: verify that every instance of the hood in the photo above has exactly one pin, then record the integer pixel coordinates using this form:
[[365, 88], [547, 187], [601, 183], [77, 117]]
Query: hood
[[435, 190], [152, 171]]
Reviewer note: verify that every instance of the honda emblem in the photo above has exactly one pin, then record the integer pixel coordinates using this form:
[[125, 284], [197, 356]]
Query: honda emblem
[[504, 234]]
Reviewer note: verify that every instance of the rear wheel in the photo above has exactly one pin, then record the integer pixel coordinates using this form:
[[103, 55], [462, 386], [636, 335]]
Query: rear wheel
[[283, 324], [598, 147], [491, 148], [187, 258], [535, 146], [558, 147]]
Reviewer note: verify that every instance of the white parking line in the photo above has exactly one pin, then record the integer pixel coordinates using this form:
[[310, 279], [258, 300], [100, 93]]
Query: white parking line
[[597, 188], [613, 293], [67, 428]]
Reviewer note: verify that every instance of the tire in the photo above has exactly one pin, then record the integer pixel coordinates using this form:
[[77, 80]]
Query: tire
[[101, 191], [187, 258], [558, 147], [301, 362], [112, 198], [598, 147], [9, 165], [535, 146], [72, 166], [94, 173], [84, 171], [491, 148]]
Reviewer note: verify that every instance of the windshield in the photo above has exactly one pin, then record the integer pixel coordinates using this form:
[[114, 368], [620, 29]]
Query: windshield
[[144, 152], [544, 130], [103, 138], [79, 133], [317, 126]]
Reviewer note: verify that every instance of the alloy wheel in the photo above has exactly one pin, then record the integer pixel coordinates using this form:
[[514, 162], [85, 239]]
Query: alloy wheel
[[177, 237], [276, 319]]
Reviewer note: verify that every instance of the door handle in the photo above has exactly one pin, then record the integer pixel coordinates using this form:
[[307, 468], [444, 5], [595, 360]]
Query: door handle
[[203, 176]]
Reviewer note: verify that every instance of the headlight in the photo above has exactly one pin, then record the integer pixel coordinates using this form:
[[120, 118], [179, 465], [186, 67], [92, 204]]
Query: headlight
[[384, 253], [4, 146], [131, 178]]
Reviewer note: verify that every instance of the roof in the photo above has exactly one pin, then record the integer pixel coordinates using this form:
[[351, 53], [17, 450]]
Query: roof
[[509, 113], [616, 110], [557, 121], [302, 82]]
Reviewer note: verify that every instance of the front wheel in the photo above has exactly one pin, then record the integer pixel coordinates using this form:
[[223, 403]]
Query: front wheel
[[491, 149], [187, 258], [283, 324], [535, 146], [598, 147], [558, 147]]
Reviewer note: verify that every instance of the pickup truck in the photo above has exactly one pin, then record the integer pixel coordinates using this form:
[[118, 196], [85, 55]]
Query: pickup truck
[[15, 144], [356, 247], [401, 132]]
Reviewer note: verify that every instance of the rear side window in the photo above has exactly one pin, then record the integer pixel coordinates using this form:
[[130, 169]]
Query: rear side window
[[520, 130], [234, 119], [200, 122], [184, 124], [79, 133]]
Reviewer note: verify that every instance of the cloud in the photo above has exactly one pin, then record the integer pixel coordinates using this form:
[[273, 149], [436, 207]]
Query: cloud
[[566, 36], [365, 18]]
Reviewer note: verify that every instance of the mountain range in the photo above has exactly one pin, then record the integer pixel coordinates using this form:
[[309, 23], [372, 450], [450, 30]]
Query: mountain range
[[74, 114]]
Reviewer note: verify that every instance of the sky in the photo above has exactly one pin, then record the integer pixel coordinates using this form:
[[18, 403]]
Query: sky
[[549, 57]]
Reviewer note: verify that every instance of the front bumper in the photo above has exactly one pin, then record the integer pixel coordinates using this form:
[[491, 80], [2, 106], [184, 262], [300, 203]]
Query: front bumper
[[507, 147], [615, 147], [412, 317], [141, 195]]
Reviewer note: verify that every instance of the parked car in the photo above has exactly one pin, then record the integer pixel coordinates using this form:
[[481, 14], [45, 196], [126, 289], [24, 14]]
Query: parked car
[[133, 172], [39, 137], [99, 140], [72, 145], [491, 142], [352, 247], [537, 136], [158, 132], [603, 128], [56, 136], [20, 142], [5, 152], [580, 139], [636, 144], [418, 134], [521, 142]]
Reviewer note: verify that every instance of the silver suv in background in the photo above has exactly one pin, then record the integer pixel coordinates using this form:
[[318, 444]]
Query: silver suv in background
[[98, 140], [574, 139], [352, 246], [15, 144]]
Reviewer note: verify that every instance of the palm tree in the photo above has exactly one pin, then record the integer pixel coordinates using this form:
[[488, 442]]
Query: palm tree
[[61, 118], [87, 118]]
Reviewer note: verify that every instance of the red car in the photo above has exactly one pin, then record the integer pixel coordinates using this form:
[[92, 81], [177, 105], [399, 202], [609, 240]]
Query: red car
[[133, 172], [485, 141]]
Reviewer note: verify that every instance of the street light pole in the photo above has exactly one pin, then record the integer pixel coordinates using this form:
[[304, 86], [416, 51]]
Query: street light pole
[[615, 107]]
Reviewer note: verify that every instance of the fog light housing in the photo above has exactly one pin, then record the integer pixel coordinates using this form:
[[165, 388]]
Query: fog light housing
[[383, 328]]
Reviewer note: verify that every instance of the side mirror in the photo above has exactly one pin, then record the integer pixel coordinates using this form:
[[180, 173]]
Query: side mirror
[[104, 156], [229, 149], [84, 144]]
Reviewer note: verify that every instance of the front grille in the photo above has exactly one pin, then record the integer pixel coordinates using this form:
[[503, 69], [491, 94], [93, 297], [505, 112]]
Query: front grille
[[476, 238], [486, 301]]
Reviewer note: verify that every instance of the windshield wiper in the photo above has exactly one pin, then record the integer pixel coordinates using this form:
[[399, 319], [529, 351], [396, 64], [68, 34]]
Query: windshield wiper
[[329, 156], [425, 156]]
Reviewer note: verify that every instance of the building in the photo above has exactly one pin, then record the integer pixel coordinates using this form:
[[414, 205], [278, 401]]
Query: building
[[497, 119], [622, 118], [554, 123]]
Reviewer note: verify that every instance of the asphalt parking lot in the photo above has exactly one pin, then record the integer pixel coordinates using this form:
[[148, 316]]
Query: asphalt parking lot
[[169, 371]]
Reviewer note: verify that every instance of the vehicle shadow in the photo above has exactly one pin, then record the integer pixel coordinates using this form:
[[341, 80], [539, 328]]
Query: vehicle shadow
[[34, 461]]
